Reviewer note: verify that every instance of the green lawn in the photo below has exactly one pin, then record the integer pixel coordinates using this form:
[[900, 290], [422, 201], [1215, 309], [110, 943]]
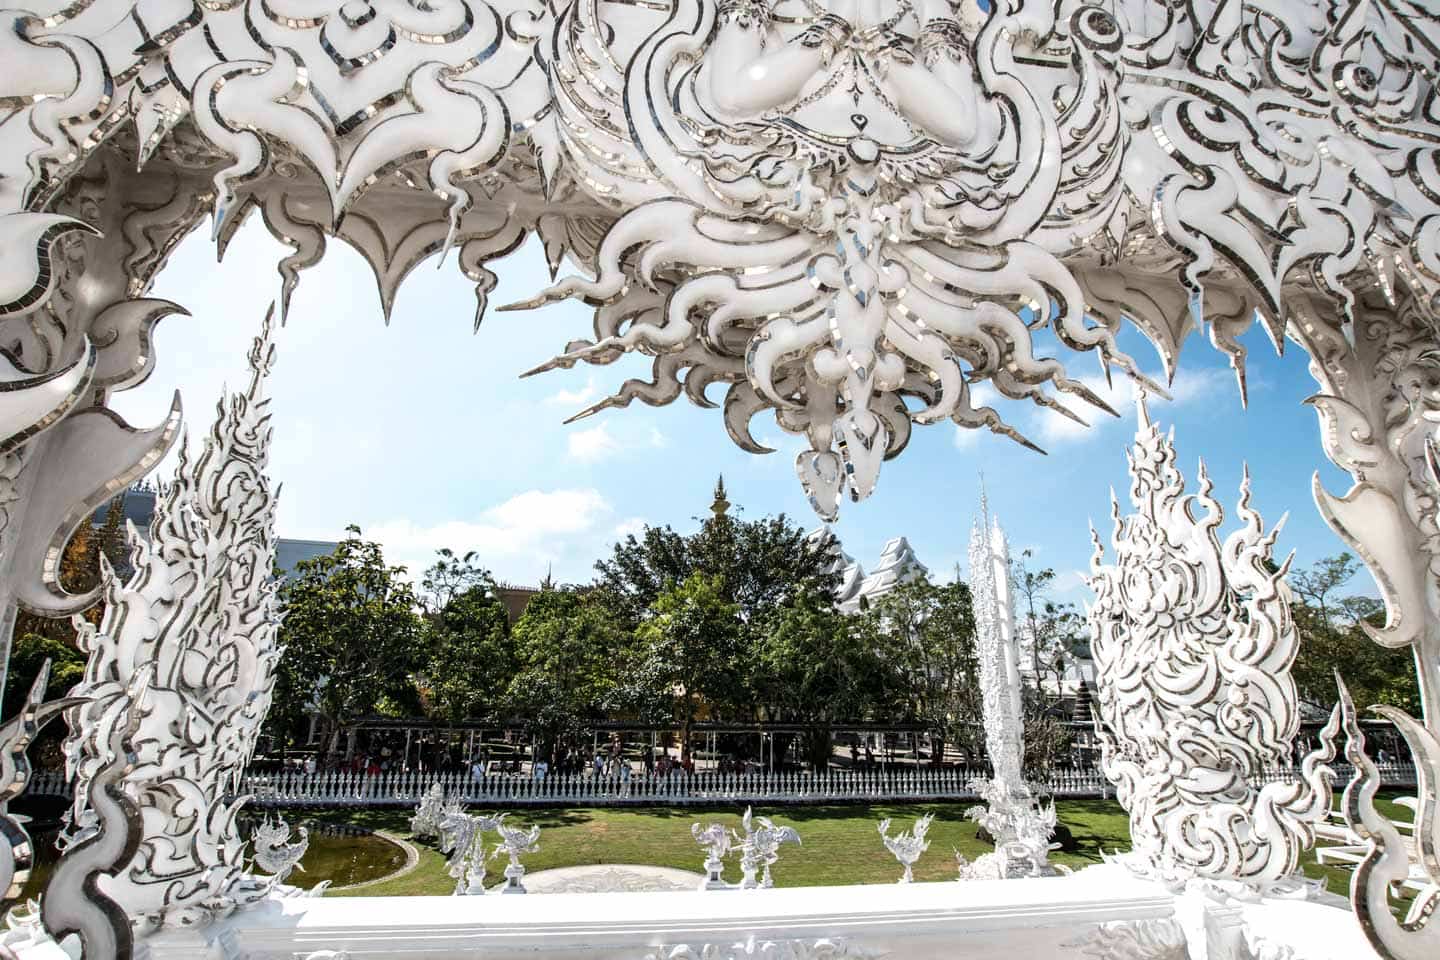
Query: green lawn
[[840, 843]]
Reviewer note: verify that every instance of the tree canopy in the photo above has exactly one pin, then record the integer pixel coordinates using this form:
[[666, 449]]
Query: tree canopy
[[571, 664], [352, 637], [470, 654], [1332, 636], [761, 564]]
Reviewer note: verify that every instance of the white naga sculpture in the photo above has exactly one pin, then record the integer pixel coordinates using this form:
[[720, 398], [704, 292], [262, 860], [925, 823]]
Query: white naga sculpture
[[185, 656], [848, 215], [462, 836], [1195, 640]]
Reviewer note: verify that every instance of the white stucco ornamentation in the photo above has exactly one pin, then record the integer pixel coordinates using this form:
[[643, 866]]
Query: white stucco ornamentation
[[854, 217], [715, 839], [994, 605], [844, 295], [275, 853], [514, 843], [907, 845], [1193, 642], [17, 851], [1390, 860], [196, 626], [425, 824]]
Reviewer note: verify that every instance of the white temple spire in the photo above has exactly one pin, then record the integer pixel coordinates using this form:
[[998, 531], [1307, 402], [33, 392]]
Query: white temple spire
[[995, 641]]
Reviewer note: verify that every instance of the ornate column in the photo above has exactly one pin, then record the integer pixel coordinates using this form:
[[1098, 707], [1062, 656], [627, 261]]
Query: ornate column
[[1379, 410], [66, 354], [1013, 816]]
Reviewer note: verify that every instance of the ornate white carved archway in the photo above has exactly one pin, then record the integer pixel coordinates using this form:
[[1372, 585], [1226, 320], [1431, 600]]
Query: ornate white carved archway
[[844, 212]]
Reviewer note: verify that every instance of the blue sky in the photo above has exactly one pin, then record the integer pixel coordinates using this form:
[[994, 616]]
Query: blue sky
[[423, 435]]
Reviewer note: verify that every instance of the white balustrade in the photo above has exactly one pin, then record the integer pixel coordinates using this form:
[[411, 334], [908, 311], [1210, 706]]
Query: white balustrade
[[348, 789]]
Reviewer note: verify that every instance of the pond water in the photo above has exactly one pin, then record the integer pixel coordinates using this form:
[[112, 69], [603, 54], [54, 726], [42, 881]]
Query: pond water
[[347, 860], [343, 860]]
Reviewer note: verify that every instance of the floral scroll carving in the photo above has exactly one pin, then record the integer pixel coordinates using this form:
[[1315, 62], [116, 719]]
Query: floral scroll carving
[[1193, 642], [190, 639]]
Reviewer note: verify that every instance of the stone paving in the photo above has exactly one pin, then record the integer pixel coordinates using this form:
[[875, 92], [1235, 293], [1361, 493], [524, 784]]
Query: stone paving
[[612, 878]]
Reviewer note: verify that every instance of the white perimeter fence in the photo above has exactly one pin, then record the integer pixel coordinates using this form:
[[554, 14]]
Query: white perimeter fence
[[298, 789]]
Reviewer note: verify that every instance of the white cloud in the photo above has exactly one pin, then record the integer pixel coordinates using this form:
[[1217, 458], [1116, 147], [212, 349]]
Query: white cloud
[[629, 525], [515, 538], [557, 511], [1072, 581], [575, 398], [589, 446], [966, 437], [1191, 385], [657, 439]]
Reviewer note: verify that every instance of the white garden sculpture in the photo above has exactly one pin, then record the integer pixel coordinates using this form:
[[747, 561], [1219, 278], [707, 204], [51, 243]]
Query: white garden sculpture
[[514, 842], [275, 853], [425, 824], [715, 839], [908, 845], [462, 837], [760, 849]]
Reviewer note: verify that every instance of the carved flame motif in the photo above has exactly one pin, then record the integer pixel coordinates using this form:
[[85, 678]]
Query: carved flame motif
[[843, 235], [198, 618], [1193, 643]]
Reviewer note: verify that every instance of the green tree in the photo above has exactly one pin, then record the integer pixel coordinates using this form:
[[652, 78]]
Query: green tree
[[690, 646], [1317, 585], [927, 632], [471, 657], [450, 576], [352, 639], [814, 665], [114, 540], [27, 655], [571, 656], [79, 573], [1331, 636], [761, 564]]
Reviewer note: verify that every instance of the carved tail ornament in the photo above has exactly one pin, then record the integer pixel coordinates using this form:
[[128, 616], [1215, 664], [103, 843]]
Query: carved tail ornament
[[1393, 858], [16, 851]]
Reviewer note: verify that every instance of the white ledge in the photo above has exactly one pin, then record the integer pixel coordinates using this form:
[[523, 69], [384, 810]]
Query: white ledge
[[941, 920]]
